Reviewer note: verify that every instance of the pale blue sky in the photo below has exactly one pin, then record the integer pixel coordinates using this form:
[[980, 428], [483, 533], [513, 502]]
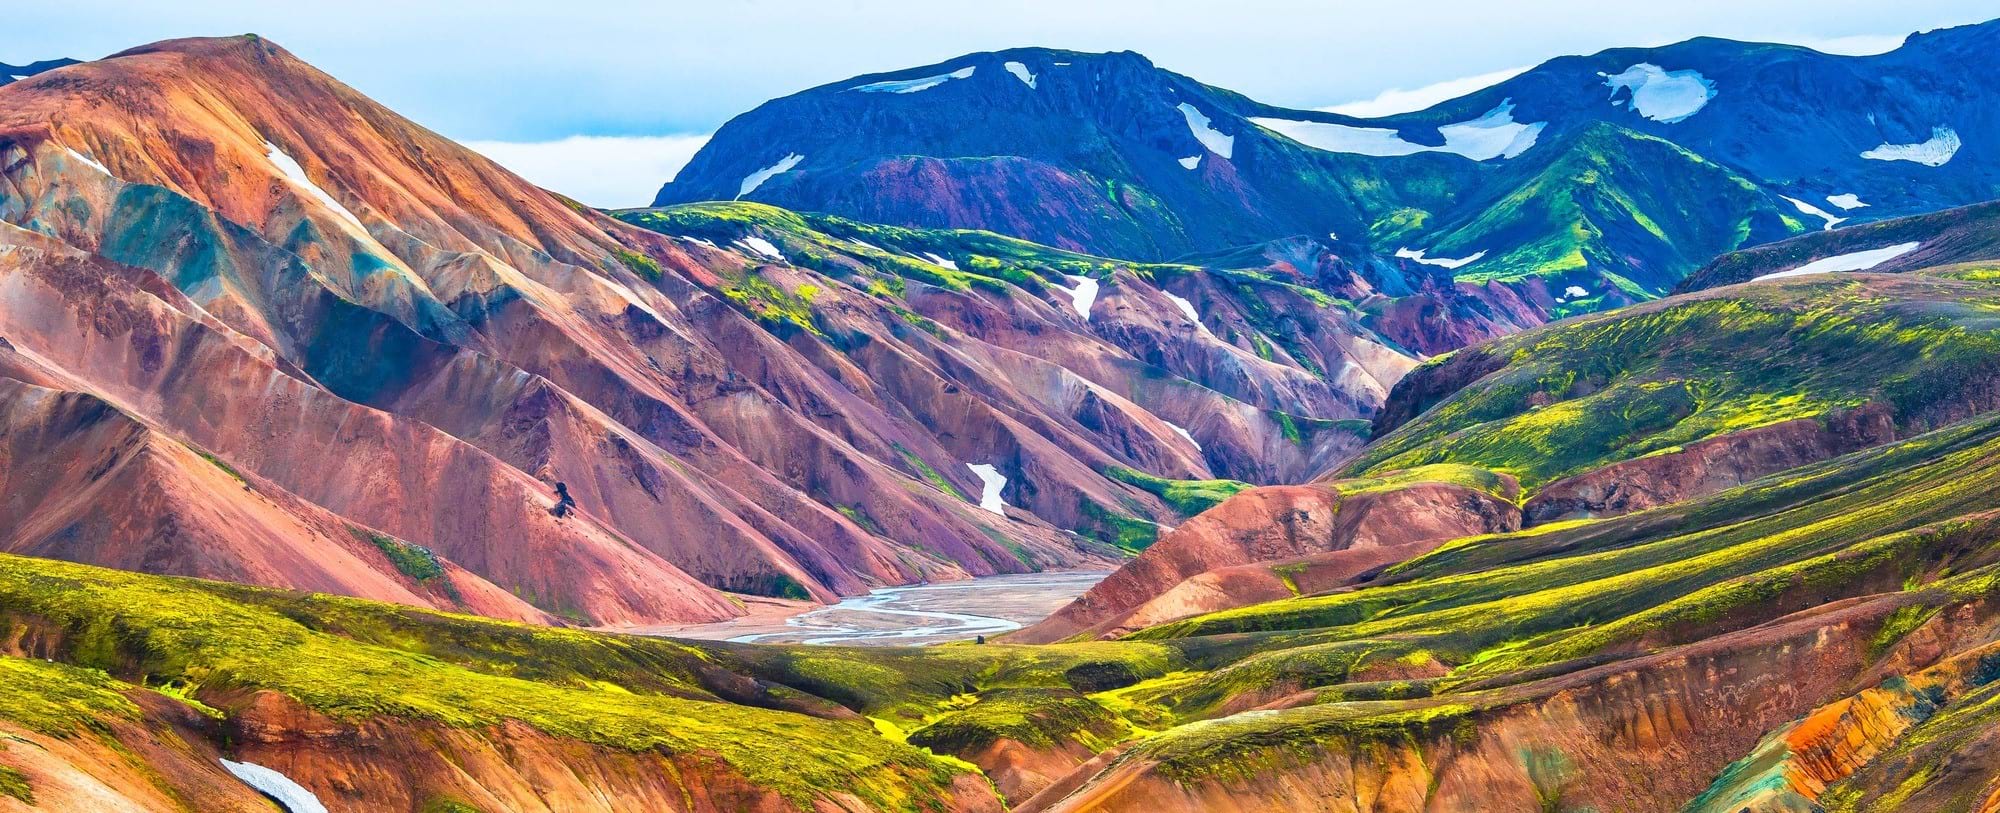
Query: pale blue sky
[[544, 71]]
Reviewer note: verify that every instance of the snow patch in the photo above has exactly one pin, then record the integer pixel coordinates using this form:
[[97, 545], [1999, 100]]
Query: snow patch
[[1083, 295], [297, 175], [1184, 433], [757, 179], [1442, 262], [280, 788], [1020, 71], [1852, 261], [1209, 137], [914, 85], [1942, 145], [1185, 306], [761, 246], [1815, 211], [1847, 202], [940, 261], [991, 481], [1493, 135], [86, 161], [1191, 162], [702, 241], [1575, 292], [1662, 95]]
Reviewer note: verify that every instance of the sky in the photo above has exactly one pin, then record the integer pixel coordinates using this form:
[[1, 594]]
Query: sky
[[605, 100]]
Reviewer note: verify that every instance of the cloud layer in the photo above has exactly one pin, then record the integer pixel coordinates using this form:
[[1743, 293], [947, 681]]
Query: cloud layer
[[610, 172]]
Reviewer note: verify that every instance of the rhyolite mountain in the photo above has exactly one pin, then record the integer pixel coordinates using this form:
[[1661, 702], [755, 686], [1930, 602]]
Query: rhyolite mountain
[[1602, 178], [317, 346]]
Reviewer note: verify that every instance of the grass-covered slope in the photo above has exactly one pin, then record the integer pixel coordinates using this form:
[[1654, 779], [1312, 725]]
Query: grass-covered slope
[[780, 720], [1620, 215], [1815, 576], [1578, 395]]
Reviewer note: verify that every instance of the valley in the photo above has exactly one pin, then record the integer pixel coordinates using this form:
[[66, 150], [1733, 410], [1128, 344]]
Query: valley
[[907, 616], [1571, 445]]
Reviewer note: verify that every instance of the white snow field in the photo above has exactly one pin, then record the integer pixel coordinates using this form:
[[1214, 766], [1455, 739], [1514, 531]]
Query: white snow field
[[1662, 95], [1493, 135], [991, 482], [1209, 137], [1851, 261], [914, 85], [1936, 152], [757, 179]]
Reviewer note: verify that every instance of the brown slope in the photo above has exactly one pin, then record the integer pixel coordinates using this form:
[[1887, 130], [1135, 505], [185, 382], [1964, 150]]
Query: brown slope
[[1202, 566], [88, 483], [142, 346]]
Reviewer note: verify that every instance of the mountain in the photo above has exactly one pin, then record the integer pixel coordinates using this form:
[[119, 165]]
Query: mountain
[[10, 74], [1963, 234], [221, 260], [1818, 636], [1751, 560], [1598, 180]]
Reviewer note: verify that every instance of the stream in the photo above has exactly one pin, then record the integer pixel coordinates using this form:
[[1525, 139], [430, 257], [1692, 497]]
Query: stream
[[914, 615]]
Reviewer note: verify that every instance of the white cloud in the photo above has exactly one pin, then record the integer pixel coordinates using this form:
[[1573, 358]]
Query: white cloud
[[1858, 45], [606, 171], [1398, 100]]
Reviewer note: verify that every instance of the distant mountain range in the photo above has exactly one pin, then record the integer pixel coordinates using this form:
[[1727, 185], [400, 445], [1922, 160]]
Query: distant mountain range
[[10, 74], [1603, 178]]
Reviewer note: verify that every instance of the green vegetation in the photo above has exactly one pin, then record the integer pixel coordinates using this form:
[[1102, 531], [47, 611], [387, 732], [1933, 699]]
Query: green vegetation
[[1038, 718], [1189, 497], [1127, 533], [1472, 477], [639, 263], [15, 784], [355, 660], [924, 470], [1598, 211], [58, 699], [414, 561], [1575, 396], [216, 462], [772, 305]]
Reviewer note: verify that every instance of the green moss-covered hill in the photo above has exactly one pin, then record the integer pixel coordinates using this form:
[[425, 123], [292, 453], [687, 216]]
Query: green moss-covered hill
[[1577, 395]]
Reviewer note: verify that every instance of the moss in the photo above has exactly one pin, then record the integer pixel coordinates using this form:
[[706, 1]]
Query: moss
[[1037, 718], [1582, 394], [200, 633], [1189, 497], [924, 471], [639, 263], [1129, 534], [412, 560], [15, 784], [217, 462], [772, 305], [446, 804]]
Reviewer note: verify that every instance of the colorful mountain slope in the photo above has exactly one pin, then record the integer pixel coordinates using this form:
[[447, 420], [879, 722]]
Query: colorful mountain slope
[[352, 311], [1824, 632]]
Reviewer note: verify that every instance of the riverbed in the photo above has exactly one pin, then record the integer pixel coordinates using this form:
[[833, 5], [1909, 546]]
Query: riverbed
[[912, 615]]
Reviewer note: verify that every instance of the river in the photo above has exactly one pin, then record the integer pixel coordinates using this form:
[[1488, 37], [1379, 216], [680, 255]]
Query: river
[[911, 615]]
